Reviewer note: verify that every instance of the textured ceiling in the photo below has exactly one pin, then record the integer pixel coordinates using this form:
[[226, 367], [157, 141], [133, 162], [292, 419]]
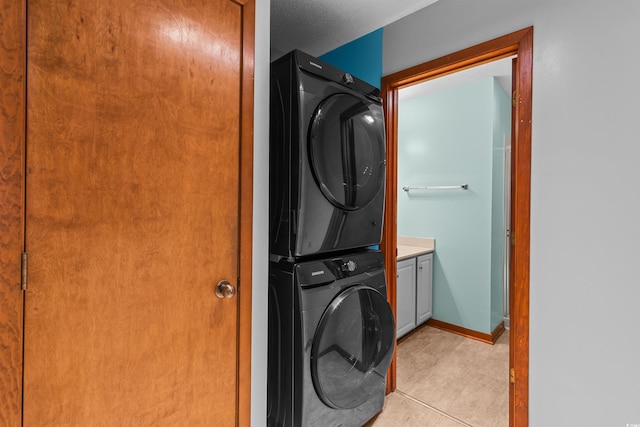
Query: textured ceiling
[[318, 26]]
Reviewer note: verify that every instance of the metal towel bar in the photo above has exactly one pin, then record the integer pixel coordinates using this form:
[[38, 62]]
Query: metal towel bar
[[439, 187]]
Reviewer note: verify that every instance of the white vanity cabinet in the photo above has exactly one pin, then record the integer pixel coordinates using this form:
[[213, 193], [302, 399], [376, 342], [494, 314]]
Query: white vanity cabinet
[[405, 296], [424, 288], [413, 292]]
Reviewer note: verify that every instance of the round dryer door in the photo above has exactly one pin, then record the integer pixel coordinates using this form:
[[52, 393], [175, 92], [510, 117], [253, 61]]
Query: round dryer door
[[347, 150], [352, 348]]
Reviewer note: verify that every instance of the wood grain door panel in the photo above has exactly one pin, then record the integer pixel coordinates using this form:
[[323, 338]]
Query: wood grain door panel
[[133, 129]]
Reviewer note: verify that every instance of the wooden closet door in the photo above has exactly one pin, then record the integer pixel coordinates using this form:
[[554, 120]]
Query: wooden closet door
[[132, 201]]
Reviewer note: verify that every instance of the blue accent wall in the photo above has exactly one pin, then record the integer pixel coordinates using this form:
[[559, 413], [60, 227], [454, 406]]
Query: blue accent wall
[[361, 58]]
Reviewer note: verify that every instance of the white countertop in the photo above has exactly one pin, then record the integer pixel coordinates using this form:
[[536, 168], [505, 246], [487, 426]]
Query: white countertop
[[409, 247]]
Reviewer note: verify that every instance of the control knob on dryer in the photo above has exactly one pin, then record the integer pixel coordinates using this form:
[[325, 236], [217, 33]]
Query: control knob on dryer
[[349, 266], [347, 78]]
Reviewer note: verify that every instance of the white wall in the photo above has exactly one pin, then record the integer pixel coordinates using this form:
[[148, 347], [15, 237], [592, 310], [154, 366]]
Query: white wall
[[260, 218], [585, 208]]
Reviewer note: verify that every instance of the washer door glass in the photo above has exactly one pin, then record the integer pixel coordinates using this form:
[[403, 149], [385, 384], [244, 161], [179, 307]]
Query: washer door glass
[[352, 347], [347, 150]]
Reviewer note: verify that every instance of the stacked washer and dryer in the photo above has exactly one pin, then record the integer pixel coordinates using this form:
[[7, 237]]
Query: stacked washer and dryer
[[331, 329]]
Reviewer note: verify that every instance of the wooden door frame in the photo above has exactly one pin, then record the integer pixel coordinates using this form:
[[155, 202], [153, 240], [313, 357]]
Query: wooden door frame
[[12, 159], [518, 43]]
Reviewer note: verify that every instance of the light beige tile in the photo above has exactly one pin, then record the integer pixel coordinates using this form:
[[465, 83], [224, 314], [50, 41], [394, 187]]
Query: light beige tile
[[402, 411], [459, 376]]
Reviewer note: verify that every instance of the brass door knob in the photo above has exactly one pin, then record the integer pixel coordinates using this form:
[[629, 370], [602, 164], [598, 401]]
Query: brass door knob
[[225, 289]]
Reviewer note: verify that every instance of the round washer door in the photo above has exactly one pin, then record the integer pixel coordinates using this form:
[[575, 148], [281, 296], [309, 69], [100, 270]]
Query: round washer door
[[352, 347], [347, 150]]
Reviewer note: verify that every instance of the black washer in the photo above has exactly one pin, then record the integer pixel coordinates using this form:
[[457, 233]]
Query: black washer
[[331, 340]]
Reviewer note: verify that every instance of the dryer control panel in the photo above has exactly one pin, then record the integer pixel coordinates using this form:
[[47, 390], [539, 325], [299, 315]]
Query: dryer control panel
[[323, 272], [327, 71]]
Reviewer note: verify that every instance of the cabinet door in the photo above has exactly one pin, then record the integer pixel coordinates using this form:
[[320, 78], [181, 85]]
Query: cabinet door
[[424, 300], [406, 297]]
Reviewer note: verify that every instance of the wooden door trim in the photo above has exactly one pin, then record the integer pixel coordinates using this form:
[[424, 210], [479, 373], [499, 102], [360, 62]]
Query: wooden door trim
[[12, 157], [518, 43], [246, 215], [12, 128]]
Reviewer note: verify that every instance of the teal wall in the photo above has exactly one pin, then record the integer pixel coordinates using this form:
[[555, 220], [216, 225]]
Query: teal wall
[[447, 138], [361, 58]]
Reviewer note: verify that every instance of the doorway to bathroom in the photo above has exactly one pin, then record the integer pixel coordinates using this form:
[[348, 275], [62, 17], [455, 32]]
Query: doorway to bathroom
[[518, 44], [454, 133], [454, 137]]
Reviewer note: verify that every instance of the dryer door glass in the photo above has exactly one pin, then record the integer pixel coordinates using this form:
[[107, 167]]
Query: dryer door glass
[[347, 150], [352, 347]]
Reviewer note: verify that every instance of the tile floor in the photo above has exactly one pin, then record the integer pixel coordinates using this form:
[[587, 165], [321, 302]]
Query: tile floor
[[446, 380]]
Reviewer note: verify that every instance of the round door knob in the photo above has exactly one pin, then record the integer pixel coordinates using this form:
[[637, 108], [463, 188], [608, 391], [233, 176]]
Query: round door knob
[[225, 289]]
